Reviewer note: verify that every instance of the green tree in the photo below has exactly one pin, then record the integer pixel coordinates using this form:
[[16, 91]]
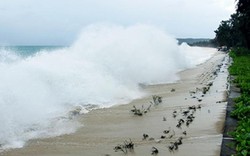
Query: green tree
[[223, 35], [243, 11], [235, 32], [228, 33]]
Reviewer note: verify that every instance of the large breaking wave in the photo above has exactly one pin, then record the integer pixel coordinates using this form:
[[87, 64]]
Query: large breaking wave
[[103, 67]]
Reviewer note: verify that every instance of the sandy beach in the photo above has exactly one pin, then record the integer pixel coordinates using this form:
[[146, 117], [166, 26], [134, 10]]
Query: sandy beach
[[103, 129]]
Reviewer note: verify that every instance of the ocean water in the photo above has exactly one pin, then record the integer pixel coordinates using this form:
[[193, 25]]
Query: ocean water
[[41, 85]]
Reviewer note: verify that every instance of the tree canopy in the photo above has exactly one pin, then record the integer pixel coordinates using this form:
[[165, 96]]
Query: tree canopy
[[235, 32]]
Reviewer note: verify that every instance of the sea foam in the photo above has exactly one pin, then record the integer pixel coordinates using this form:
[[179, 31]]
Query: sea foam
[[102, 67]]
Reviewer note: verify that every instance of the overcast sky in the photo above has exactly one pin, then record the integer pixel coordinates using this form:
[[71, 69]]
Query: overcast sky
[[58, 22]]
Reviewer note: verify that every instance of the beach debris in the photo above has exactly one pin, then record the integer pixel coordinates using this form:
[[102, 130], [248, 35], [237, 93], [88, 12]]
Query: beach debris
[[155, 151], [184, 132], [157, 99], [167, 131], [179, 141], [190, 119], [140, 112], [163, 137], [120, 148], [210, 83], [164, 118], [185, 112], [181, 121], [174, 114], [145, 136], [175, 145], [171, 147], [178, 125], [191, 93], [188, 123], [127, 145], [205, 89], [202, 90], [137, 112], [199, 107], [171, 135], [192, 108]]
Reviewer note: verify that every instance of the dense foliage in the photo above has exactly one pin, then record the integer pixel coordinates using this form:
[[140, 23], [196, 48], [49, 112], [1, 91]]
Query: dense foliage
[[235, 32], [208, 43], [241, 70]]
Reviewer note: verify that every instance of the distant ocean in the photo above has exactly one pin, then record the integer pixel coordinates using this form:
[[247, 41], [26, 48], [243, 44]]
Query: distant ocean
[[27, 51], [41, 85]]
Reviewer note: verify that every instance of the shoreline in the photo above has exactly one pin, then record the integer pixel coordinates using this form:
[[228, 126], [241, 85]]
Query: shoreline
[[103, 129]]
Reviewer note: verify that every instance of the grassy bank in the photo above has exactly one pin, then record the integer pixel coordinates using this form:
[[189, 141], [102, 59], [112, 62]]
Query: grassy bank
[[241, 70]]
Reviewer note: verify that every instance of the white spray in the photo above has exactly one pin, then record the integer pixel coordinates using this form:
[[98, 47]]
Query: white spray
[[103, 67]]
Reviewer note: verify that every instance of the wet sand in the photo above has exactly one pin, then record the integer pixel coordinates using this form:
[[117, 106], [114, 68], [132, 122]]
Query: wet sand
[[106, 128]]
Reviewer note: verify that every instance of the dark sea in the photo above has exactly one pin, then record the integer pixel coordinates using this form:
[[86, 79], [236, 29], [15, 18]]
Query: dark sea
[[26, 51]]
